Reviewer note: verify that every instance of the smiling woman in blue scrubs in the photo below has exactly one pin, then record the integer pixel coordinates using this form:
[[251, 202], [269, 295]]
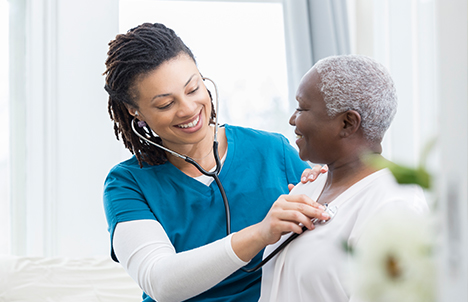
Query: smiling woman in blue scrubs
[[166, 220]]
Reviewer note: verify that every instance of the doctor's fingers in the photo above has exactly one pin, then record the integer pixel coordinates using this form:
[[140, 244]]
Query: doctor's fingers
[[285, 227], [297, 200], [272, 228], [312, 174], [291, 221], [297, 212]]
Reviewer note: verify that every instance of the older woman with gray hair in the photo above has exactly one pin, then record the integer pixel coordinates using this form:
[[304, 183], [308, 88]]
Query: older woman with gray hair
[[345, 105]]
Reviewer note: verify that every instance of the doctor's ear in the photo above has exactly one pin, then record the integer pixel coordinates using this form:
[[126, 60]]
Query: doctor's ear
[[132, 111]]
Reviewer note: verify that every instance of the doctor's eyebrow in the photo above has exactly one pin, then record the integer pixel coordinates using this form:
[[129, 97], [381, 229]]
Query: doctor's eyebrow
[[168, 94], [189, 80]]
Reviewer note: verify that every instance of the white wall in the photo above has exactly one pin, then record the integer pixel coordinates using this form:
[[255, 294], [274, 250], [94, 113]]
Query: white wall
[[424, 45], [69, 138], [452, 183], [400, 34]]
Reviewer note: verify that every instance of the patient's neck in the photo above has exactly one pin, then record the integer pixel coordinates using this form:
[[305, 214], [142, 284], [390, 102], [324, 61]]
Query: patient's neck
[[342, 176]]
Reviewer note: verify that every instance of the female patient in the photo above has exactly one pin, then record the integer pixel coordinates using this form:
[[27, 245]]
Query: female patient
[[345, 105]]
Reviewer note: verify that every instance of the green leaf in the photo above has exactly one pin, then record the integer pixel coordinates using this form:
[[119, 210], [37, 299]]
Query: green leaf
[[347, 248], [402, 174]]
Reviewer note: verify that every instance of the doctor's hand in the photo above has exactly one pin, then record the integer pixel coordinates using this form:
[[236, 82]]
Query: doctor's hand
[[311, 174], [288, 214]]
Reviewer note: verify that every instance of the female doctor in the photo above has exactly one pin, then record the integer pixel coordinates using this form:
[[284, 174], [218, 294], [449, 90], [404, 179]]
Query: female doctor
[[166, 219]]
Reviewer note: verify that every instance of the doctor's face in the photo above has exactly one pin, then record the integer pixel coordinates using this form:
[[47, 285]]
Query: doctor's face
[[174, 102]]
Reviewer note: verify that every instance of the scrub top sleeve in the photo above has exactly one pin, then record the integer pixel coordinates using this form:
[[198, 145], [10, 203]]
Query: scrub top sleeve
[[123, 200], [293, 163]]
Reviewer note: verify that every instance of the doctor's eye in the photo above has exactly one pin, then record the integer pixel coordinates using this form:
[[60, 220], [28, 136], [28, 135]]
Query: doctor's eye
[[194, 90], [166, 106]]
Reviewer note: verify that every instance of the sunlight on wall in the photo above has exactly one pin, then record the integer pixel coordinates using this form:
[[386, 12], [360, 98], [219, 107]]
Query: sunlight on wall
[[4, 129], [400, 34]]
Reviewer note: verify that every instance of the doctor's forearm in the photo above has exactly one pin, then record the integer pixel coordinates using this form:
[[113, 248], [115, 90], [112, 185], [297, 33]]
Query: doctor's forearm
[[148, 256], [247, 243]]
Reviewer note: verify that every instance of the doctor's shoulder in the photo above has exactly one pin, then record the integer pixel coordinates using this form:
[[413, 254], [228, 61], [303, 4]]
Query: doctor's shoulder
[[256, 138]]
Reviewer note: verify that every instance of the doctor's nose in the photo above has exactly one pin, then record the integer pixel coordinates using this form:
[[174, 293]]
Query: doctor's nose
[[187, 107]]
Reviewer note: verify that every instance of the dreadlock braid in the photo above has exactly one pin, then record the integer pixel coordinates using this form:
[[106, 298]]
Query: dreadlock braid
[[133, 55]]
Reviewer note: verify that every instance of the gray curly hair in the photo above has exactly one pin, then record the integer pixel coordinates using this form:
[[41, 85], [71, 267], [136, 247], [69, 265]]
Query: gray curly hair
[[356, 82]]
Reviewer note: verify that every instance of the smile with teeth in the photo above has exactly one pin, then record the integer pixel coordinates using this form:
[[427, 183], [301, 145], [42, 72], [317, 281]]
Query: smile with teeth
[[191, 124], [298, 136]]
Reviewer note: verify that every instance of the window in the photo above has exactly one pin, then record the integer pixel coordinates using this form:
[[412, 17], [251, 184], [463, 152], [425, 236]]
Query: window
[[4, 132], [401, 36], [239, 45]]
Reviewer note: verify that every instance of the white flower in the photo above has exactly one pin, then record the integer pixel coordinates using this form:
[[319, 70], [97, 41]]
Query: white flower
[[394, 261]]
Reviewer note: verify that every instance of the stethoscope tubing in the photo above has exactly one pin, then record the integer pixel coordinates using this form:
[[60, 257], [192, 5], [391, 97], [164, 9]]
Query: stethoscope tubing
[[330, 211], [274, 253], [215, 175]]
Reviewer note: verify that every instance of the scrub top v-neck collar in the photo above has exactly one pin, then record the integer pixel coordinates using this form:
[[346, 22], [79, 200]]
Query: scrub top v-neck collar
[[229, 155]]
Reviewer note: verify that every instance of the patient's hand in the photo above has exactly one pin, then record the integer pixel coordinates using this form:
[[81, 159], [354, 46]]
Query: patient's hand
[[311, 174]]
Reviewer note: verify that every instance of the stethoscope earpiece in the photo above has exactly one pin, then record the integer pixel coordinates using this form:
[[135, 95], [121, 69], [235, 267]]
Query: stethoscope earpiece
[[215, 173], [216, 107]]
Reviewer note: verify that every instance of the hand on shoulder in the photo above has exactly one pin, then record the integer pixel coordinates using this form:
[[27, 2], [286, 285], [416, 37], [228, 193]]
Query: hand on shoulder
[[309, 175]]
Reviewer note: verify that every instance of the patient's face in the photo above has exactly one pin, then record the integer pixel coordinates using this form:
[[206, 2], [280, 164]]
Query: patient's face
[[317, 133]]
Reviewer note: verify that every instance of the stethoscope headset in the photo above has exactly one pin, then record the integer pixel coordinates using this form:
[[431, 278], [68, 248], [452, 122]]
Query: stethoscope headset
[[215, 175]]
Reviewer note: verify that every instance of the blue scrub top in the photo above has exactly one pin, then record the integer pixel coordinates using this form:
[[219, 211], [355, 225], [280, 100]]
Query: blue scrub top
[[257, 169]]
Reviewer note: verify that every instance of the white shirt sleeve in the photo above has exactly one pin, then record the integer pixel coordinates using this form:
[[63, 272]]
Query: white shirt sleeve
[[146, 253]]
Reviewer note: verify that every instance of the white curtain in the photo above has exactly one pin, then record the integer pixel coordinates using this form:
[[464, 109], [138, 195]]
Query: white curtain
[[328, 21], [62, 145], [314, 29]]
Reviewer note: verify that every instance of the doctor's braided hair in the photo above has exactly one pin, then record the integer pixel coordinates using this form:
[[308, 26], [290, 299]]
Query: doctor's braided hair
[[131, 56]]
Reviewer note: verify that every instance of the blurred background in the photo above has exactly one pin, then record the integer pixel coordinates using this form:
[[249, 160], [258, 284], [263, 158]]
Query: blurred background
[[57, 141]]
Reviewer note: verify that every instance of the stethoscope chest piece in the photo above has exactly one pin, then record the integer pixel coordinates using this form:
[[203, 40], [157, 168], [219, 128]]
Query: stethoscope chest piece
[[330, 210]]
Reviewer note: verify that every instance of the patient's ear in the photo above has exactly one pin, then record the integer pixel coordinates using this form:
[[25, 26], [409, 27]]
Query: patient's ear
[[351, 123]]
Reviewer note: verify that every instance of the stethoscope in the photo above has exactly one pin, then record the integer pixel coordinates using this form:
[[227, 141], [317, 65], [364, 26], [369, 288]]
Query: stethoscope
[[330, 210], [215, 172], [215, 175]]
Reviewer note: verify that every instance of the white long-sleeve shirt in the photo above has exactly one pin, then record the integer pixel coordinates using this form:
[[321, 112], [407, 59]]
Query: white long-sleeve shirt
[[314, 266], [146, 253]]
